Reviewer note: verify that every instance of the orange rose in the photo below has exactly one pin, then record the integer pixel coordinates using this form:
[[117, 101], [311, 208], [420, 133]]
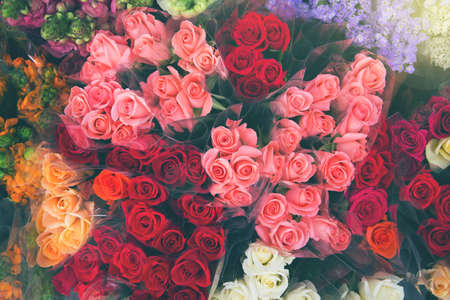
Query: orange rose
[[111, 186], [56, 172], [383, 239], [49, 253], [6, 290]]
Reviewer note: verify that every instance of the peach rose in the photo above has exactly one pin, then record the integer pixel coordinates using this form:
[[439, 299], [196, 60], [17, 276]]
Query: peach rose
[[166, 86], [148, 50], [437, 280], [336, 169], [62, 203], [123, 134], [349, 91], [49, 253], [354, 144], [273, 210], [187, 40], [370, 72], [57, 173], [288, 236], [288, 134], [110, 50], [131, 109], [97, 125], [78, 104], [247, 136], [272, 162], [329, 231], [75, 232], [137, 23], [100, 94], [324, 88], [304, 201], [236, 197], [298, 168], [194, 88], [218, 169], [244, 165], [362, 111], [226, 140], [292, 103], [315, 122]]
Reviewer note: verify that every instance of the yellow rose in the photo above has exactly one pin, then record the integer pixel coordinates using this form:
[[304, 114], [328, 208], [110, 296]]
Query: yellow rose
[[438, 154], [437, 280]]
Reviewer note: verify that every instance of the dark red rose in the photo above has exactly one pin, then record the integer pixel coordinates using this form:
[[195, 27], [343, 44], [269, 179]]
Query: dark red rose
[[375, 170], [108, 242], [250, 87], [439, 122], [436, 103], [242, 60], [168, 167], [197, 209], [121, 158], [191, 269], [367, 207], [210, 241], [442, 204], [437, 236], [86, 263], [170, 241], [382, 142], [187, 293], [129, 263], [249, 31], [405, 169], [270, 72], [64, 281], [143, 222], [156, 275], [73, 152], [420, 117], [421, 191], [194, 170], [100, 288], [409, 139], [144, 188], [278, 35]]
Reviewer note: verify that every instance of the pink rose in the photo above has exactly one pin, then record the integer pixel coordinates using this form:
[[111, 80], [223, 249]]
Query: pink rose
[[244, 166], [148, 50], [96, 71], [336, 169], [370, 72], [236, 197], [288, 134], [315, 122], [272, 162], [138, 23], [97, 125], [329, 231], [298, 168], [354, 144], [221, 69], [288, 236], [131, 109], [362, 111], [204, 60], [292, 103], [247, 136], [349, 91], [147, 89], [273, 210], [176, 115], [78, 105], [110, 50], [187, 40], [218, 169], [226, 140], [324, 88], [166, 86], [194, 88], [123, 134], [100, 94], [304, 201]]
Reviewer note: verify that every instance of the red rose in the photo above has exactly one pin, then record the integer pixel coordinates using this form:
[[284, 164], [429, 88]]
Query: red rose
[[383, 141], [140, 295], [168, 167], [64, 281], [143, 188], [100, 288], [439, 122], [375, 170], [442, 204], [121, 159], [210, 241], [421, 191], [437, 236], [142, 222], [129, 263], [250, 31], [108, 242], [250, 87], [278, 35], [367, 207], [156, 275], [270, 72], [184, 292], [191, 269], [86, 263], [71, 151], [197, 209], [409, 139], [170, 241], [194, 169], [242, 60]]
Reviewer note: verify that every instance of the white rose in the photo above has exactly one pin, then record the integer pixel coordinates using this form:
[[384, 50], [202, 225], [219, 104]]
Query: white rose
[[304, 291], [234, 290], [268, 285], [263, 259], [438, 153], [381, 287], [346, 294]]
